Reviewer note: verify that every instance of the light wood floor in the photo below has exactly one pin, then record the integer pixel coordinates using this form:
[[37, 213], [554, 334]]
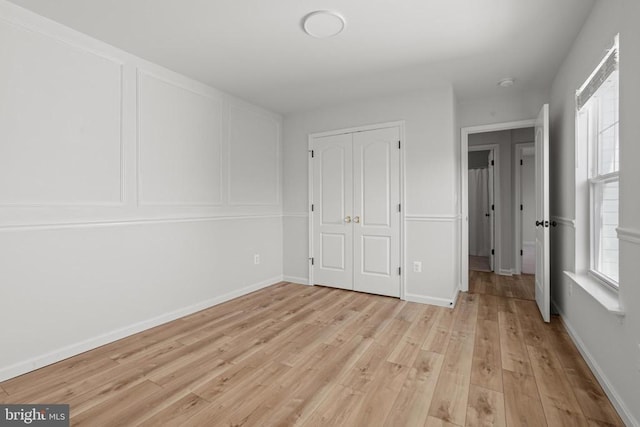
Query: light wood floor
[[519, 286], [479, 263], [293, 354]]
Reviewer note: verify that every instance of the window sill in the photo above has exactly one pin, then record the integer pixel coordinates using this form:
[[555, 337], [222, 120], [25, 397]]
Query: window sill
[[608, 298]]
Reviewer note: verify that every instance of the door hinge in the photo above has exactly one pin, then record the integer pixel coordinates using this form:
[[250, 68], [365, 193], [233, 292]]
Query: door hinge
[[311, 259], [521, 252], [312, 154], [312, 207], [493, 251], [493, 207], [399, 207], [521, 207], [398, 145], [492, 163], [399, 271], [521, 162]]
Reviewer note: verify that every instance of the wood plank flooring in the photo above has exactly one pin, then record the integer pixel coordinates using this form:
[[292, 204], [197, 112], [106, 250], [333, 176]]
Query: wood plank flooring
[[314, 356]]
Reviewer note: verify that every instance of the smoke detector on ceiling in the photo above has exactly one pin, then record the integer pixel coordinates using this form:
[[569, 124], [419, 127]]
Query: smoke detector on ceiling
[[322, 24]]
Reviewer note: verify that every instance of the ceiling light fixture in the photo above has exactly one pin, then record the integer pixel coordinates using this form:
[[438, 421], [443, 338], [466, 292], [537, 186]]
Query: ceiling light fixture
[[506, 82], [322, 24]]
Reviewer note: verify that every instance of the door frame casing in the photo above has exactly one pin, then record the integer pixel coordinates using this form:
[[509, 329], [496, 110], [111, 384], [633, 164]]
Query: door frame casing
[[464, 187], [400, 124], [497, 211]]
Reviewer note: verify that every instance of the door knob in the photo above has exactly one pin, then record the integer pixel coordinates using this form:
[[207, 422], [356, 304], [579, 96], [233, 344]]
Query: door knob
[[347, 219], [539, 223], [356, 219]]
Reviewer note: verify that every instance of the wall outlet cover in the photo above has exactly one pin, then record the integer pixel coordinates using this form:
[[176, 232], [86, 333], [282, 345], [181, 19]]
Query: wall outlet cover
[[417, 266]]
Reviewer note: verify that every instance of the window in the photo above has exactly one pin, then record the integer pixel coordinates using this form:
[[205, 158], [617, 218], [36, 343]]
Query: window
[[597, 102]]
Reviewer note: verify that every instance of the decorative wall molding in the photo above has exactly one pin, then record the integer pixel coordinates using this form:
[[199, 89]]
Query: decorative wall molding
[[567, 222], [116, 223], [629, 235], [432, 218], [234, 110], [112, 108], [75, 43], [217, 99], [109, 337], [296, 215]]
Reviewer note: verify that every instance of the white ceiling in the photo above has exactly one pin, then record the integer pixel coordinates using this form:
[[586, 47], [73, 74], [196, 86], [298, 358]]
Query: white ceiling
[[256, 49]]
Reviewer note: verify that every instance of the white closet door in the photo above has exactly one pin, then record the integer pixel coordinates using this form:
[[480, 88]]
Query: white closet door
[[333, 200], [376, 216]]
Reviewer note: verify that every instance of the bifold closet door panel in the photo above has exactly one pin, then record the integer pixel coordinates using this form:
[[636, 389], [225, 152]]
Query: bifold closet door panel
[[376, 216], [333, 198]]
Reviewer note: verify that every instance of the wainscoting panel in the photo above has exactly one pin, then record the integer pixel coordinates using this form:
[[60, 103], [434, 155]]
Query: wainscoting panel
[[254, 157], [61, 122], [179, 144], [114, 213]]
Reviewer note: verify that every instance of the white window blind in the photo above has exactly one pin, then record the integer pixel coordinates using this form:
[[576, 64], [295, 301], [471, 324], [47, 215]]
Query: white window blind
[[608, 65]]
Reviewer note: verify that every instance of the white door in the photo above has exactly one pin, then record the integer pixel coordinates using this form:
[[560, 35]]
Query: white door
[[376, 210], [492, 213], [332, 211], [356, 218], [543, 292]]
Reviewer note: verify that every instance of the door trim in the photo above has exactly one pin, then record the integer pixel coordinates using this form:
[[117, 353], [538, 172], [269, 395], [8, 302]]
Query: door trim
[[464, 188], [399, 124]]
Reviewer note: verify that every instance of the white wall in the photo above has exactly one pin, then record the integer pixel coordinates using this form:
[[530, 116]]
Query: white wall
[[506, 140], [431, 186], [129, 195], [609, 343], [509, 105]]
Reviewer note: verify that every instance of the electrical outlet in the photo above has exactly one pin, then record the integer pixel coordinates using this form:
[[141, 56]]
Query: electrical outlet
[[256, 259], [417, 266]]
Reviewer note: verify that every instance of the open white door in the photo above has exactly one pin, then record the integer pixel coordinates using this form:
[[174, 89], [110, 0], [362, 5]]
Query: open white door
[[543, 292], [492, 212]]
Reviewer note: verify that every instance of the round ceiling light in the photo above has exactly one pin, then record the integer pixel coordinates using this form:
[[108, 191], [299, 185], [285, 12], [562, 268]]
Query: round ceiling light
[[506, 82], [323, 23]]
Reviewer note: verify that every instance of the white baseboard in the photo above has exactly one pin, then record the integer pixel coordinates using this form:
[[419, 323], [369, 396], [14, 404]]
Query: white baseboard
[[294, 279], [92, 343], [455, 296], [442, 302], [606, 385]]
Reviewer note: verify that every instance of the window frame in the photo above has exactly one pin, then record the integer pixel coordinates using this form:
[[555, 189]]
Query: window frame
[[594, 180]]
